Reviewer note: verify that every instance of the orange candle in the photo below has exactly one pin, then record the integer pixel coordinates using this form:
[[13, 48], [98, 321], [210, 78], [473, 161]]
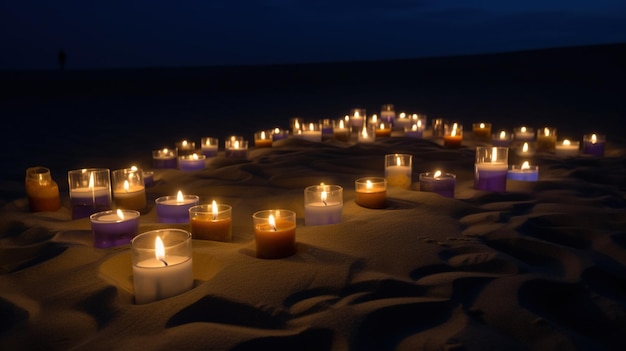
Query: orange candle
[[453, 135], [263, 139], [211, 222], [371, 192], [275, 233], [42, 191]]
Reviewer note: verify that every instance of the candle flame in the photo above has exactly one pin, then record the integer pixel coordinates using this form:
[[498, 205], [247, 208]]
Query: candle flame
[[525, 165], [311, 126], [276, 130], [346, 118], [494, 154], [414, 127], [236, 144], [368, 184], [194, 156], [437, 174], [180, 197], [525, 147], [523, 129], [502, 135], [184, 142], [134, 168], [482, 125], [356, 114], [594, 138], [126, 185], [382, 126], [159, 250], [419, 123], [398, 161], [546, 131], [272, 221], [402, 115], [364, 132], [165, 151], [453, 132], [91, 181], [214, 208], [120, 214], [296, 125], [341, 125], [263, 135], [566, 142], [374, 118], [324, 196]]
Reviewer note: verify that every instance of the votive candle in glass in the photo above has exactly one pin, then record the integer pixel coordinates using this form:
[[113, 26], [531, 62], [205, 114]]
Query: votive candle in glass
[[453, 135], [148, 178], [42, 191], [546, 139], [162, 264], [403, 121], [357, 119], [567, 147], [129, 189], [279, 134], [114, 227], [399, 170], [443, 184], [502, 138], [236, 149], [165, 158], [309, 131], [323, 204], [482, 130], [371, 192], [209, 146], [367, 134], [326, 125], [593, 144], [524, 133], [341, 130], [211, 222], [274, 233], [388, 113], [524, 172], [382, 129], [175, 209], [90, 191], [416, 129], [185, 147], [193, 162], [490, 169], [263, 138], [438, 127]]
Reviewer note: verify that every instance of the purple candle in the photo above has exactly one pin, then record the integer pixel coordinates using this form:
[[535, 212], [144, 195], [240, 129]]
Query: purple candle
[[593, 144], [90, 191], [279, 134], [525, 173], [165, 158], [209, 146], [437, 182], [501, 139], [114, 228], [192, 162], [491, 167], [148, 178], [175, 209]]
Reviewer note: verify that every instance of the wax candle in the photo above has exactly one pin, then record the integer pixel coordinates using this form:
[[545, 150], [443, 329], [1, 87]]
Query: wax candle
[[490, 168], [525, 149], [524, 172], [274, 233], [310, 132], [185, 147], [443, 184], [323, 204], [114, 227], [279, 134], [403, 121], [593, 144], [502, 138], [129, 189], [367, 134], [211, 222], [546, 139], [524, 133], [382, 130], [416, 130], [236, 149], [417, 119], [263, 139], [453, 135], [357, 119], [326, 126], [162, 264], [567, 148], [164, 158], [175, 209], [371, 192], [296, 125], [42, 191], [90, 191], [209, 146], [388, 113], [482, 130], [340, 130], [193, 162], [399, 170], [438, 126]]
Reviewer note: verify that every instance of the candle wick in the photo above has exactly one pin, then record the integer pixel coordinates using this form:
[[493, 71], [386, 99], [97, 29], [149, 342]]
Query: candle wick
[[324, 201], [274, 227], [164, 261]]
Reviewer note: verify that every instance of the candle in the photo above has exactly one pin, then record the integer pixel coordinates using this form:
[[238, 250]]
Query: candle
[[129, 189], [546, 139], [114, 227], [323, 204], [279, 134], [326, 125], [524, 172], [416, 130], [482, 130], [452, 135], [162, 264], [211, 222], [185, 147], [502, 138], [340, 130], [382, 130], [525, 149], [296, 125], [193, 162], [164, 158], [403, 121], [236, 149], [41, 190], [398, 170], [148, 178], [274, 233], [175, 209], [388, 113], [371, 192], [567, 148], [490, 169], [310, 132], [263, 139], [367, 134], [437, 182], [357, 119], [593, 144], [209, 146], [438, 126], [524, 133], [90, 191]]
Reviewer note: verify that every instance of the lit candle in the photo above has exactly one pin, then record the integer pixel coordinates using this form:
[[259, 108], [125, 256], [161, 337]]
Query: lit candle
[[567, 148], [438, 126], [453, 135], [525, 172], [42, 191], [323, 204], [501, 139], [90, 191], [185, 147], [162, 264], [262, 139], [357, 119], [274, 233], [236, 149], [129, 189], [326, 126], [416, 130], [340, 131], [114, 227], [310, 132], [526, 150], [490, 169], [371, 192], [164, 158], [482, 130], [437, 182], [593, 144], [382, 130], [398, 170], [211, 222], [388, 113], [193, 162], [175, 209], [279, 134], [209, 146], [403, 121], [546, 139], [524, 134], [367, 135]]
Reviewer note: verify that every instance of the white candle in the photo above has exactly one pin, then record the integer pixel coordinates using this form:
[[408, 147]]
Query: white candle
[[323, 204], [567, 148]]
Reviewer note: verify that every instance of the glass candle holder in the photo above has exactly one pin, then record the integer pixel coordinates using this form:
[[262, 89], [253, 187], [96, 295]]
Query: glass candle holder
[[341, 130], [175, 209], [546, 139], [309, 131], [42, 191], [185, 147], [323, 204], [90, 191], [567, 147], [443, 184], [367, 134], [129, 189], [482, 130], [263, 138], [236, 149], [452, 135], [193, 162], [114, 227], [402, 121], [357, 119], [326, 126], [165, 158], [211, 222], [388, 113], [438, 127], [371, 192], [274, 233], [524, 133], [593, 144], [399, 170], [490, 168], [501, 138], [382, 129], [209, 146], [162, 264], [416, 128], [524, 172], [279, 134]]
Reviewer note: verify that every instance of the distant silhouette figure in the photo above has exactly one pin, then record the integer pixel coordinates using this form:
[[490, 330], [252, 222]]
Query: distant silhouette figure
[[61, 58]]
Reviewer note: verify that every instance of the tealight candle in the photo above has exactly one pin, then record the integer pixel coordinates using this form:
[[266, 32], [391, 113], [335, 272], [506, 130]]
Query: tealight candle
[[525, 149], [175, 209], [236, 149], [90, 191], [274, 233], [310, 132], [263, 139], [296, 125], [382, 130], [209, 146], [323, 204], [279, 134], [438, 126], [490, 169], [567, 148], [114, 227], [403, 121], [416, 130], [546, 139], [371, 192], [129, 189], [164, 158], [524, 172], [502, 138], [357, 119], [162, 264], [482, 130], [42, 191], [367, 134], [524, 134], [211, 222], [388, 113], [341, 131], [437, 182], [185, 147], [453, 135], [193, 162], [399, 170], [326, 126], [593, 144]]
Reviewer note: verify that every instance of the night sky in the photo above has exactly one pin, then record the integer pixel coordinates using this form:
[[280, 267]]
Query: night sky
[[126, 34]]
